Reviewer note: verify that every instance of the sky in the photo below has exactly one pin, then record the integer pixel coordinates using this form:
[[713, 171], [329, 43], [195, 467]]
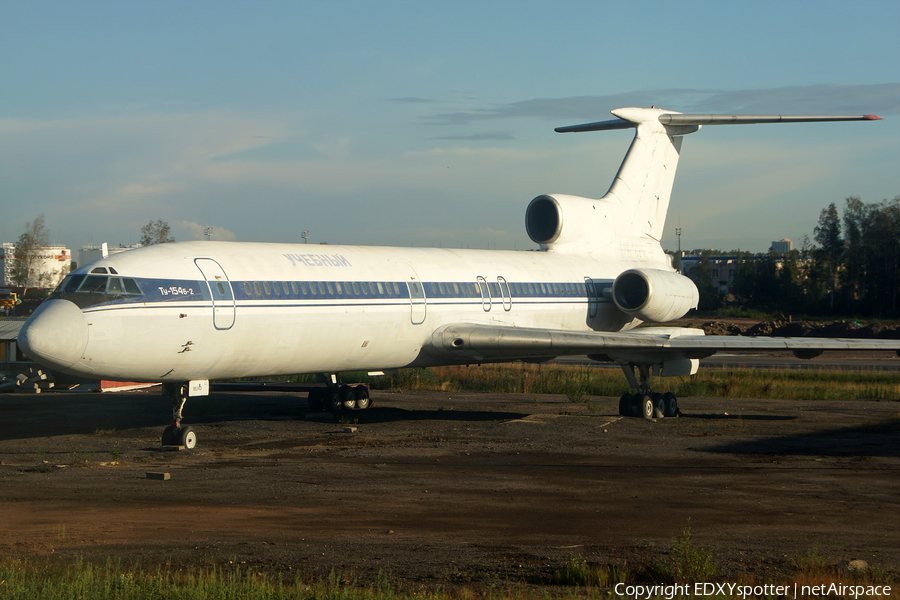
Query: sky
[[430, 123]]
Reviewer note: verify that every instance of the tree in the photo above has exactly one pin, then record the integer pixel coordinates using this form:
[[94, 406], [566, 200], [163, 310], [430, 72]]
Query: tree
[[156, 232], [27, 254], [831, 247]]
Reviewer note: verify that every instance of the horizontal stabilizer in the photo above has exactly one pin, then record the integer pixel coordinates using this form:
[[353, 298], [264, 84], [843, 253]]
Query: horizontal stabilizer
[[680, 119], [629, 117], [598, 126]]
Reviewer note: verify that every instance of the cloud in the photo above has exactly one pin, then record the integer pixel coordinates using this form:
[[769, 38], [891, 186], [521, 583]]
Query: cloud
[[413, 100], [478, 137], [187, 230]]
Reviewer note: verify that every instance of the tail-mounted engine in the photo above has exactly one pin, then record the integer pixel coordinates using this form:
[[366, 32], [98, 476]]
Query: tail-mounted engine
[[558, 221], [654, 295]]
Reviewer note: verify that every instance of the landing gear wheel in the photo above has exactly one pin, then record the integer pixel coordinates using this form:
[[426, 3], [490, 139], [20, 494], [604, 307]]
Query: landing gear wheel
[[659, 405], [314, 400], [645, 404], [361, 393], [170, 436], [333, 399], [348, 398], [625, 405], [187, 438], [671, 404], [635, 405]]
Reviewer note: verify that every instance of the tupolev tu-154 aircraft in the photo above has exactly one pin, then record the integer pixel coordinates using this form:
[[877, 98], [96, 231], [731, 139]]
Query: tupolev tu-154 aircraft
[[185, 313]]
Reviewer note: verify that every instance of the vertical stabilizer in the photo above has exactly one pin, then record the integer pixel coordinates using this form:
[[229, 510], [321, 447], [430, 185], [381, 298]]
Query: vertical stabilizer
[[643, 185]]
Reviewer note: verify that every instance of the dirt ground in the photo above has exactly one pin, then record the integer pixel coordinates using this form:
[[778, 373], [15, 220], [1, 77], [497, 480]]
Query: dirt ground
[[438, 488]]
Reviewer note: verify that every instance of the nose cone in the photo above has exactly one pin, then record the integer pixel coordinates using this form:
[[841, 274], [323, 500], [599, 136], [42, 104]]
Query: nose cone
[[55, 335]]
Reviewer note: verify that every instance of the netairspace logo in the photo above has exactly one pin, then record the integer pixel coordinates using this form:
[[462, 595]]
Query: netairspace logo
[[735, 590]]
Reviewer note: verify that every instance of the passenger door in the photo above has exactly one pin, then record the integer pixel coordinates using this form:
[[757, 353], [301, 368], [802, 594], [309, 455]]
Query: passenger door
[[220, 291]]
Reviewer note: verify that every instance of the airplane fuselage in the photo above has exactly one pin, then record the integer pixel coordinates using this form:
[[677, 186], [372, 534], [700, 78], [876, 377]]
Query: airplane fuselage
[[209, 310]]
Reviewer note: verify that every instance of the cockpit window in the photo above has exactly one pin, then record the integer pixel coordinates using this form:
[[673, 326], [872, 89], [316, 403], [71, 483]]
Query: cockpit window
[[89, 290], [93, 284], [71, 283], [131, 287], [99, 270]]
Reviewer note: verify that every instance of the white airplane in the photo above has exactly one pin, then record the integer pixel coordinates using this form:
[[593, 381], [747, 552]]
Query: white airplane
[[185, 313]]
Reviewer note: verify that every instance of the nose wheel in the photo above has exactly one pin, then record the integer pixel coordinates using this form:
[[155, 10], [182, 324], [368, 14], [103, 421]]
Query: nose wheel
[[176, 434]]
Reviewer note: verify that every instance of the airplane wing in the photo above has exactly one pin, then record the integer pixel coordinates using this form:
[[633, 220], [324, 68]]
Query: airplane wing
[[651, 345]]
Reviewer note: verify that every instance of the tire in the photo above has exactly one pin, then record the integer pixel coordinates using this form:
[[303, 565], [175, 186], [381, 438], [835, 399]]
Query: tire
[[348, 398], [361, 393], [671, 404], [659, 406], [333, 399], [635, 405], [314, 400], [625, 405], [646, 407], [170, 436], [187, 438]]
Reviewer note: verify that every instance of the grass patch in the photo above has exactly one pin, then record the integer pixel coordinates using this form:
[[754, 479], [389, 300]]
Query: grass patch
[[578, 572], [579, 383]]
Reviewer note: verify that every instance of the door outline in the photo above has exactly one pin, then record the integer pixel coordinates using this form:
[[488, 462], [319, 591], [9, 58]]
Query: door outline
[[418, 304], [593, 299], [485, 294], [220, 292], [504, 292]]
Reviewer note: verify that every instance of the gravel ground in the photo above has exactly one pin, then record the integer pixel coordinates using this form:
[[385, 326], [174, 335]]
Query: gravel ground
[[438, 488]]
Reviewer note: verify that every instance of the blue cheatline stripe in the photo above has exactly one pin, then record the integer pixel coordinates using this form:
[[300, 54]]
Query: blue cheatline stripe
[[179, 291]]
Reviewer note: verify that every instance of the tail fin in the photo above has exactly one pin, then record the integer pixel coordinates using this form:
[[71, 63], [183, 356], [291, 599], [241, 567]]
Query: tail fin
[[643, 185]]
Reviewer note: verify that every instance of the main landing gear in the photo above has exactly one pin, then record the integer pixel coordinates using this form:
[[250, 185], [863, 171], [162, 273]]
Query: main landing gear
[[645, 403], [336, 397], [175, 434]]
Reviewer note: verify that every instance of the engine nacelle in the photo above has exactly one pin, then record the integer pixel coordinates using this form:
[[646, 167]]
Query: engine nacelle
[[654, 295], [558, 220]]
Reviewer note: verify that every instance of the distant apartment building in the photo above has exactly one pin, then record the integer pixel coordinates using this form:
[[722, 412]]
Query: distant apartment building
[[50, 265], [723, 270], [783, 247]]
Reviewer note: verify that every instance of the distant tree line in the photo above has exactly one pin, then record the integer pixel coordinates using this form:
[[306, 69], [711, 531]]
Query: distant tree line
[[852, 267]]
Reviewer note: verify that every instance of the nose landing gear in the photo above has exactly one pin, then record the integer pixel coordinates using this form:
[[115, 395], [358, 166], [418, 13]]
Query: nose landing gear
[[175, 434]]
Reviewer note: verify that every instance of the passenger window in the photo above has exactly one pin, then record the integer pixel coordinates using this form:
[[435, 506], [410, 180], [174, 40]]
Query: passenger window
[[396, 288], [114, 286], [294, 288], [303, 288], [442, 289], [267, 288], [131, 287], [257, 288], [247, 289], [321, 287], [356, 288], [456, 289], [276, 288], [221, 288], [286, 287], [380, 288], [337, 286], [330, 287]]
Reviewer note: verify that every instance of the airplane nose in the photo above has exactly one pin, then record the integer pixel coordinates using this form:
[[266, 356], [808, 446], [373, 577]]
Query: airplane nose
[[55, 335]]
